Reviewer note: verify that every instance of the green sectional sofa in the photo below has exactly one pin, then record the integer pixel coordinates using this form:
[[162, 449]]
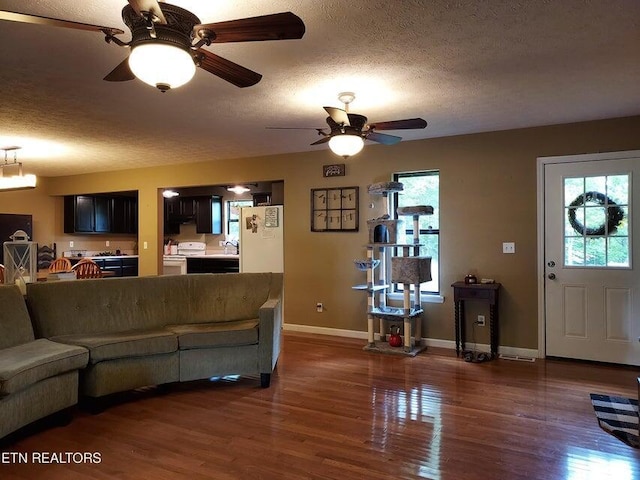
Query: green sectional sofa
[[142, 331], [38, 377]]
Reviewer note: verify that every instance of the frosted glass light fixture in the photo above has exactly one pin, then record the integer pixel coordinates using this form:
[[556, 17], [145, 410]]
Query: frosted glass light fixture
[[15, 182], [346, 144], [238, 189], [162, 65], [169, 193]]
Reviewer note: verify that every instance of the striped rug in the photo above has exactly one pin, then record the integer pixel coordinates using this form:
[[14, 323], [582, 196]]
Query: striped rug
[[618, 416]]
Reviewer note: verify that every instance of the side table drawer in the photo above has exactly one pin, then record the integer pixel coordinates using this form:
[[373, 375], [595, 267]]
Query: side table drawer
[[470, 294]]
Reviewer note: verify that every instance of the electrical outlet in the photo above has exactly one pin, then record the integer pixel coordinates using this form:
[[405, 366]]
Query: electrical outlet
[[71, 244], [480, 321], [319, 307], [145, 245], [508, 247], [106, 244]]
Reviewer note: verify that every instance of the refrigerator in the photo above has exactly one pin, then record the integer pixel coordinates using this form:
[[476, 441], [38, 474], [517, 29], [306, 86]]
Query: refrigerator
[[261, 239]]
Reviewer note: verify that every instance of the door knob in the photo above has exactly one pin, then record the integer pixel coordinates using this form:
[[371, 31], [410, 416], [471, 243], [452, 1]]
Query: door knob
[[551, 263], [552, 276]]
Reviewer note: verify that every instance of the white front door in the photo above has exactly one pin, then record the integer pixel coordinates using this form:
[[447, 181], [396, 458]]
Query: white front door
[[592, 258]]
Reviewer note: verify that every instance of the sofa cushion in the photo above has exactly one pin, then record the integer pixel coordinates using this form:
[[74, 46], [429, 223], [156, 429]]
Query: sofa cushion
[[23, 365], [15, 324], [203, 335], [132, 343]]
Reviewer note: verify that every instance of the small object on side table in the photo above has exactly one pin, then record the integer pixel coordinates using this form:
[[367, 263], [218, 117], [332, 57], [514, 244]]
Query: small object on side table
[[470, 279]]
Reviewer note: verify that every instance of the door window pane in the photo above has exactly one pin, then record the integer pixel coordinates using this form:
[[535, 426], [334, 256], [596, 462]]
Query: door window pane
[[596, 221], [574, 251], [595, 252]]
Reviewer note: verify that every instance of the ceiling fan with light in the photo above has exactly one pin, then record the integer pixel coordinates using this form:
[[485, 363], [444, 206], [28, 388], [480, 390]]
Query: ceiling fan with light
[[166, 42], [348, 131]]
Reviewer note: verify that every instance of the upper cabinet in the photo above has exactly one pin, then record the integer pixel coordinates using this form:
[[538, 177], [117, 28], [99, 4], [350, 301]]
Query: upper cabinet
[[105, 213], [205, 211], [124, 214], [209, 214], [261, 198]]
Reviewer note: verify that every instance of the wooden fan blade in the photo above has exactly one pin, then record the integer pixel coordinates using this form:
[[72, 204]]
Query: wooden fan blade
[[54, 22], [407, 124], [383, 138], [122, 73], [227, 70], [338, 115], [294, 128], [151, 6], [279, 26], [322, 140], [357, 121]]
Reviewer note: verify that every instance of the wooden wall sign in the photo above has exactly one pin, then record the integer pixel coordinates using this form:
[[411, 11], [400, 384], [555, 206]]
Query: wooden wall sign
[[335, 170]]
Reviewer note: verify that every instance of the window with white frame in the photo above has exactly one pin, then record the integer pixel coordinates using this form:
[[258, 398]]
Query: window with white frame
[[233, 217], [421, 188]]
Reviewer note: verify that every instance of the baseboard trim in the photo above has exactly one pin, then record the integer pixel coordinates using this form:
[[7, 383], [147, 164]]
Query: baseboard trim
[[429, 342]]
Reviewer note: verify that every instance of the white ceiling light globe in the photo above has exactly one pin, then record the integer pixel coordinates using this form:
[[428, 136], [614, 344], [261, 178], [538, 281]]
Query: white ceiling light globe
[[345, 144], [162, 65]]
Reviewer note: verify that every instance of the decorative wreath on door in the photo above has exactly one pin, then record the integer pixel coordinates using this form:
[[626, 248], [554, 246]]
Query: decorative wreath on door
[[613, 214]]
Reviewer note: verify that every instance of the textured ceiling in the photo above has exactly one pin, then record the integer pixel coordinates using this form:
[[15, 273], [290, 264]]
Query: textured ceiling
[[464, 66]]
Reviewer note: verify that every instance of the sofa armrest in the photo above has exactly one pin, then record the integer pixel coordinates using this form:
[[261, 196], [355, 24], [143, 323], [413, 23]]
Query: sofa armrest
[[270, 327]]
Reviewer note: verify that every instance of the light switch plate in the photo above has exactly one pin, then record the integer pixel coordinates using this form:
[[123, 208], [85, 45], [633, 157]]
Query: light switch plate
[[508, 247]]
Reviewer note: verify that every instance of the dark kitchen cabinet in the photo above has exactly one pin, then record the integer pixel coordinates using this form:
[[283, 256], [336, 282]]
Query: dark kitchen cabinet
[[111, 265], [100, 214], [203, 215], [176, 207], [103, 214], [87, 214], [171, 208], [80, 213], [213, 265], [124, 215], [120, 266], [204, 211], [189, 206], [129, 267], [263, 198], [209, 215]]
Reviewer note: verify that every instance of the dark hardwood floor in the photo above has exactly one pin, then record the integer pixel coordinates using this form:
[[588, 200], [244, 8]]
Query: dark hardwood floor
[[334, 411]]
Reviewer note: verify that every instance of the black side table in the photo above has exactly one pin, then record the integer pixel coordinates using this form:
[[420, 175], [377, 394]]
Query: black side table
[[483, 292]]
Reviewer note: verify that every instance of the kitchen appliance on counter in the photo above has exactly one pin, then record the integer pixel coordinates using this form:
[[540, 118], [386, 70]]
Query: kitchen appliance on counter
[[177, 264], [261, 239], [192, 249]]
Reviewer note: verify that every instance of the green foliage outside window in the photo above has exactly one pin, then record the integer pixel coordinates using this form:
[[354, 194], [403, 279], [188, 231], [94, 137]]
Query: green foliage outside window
[[422, 188]]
